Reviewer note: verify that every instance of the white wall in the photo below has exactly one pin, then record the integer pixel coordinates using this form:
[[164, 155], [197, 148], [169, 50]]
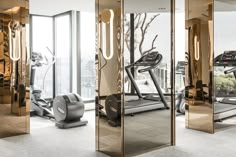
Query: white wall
[[53, 7]]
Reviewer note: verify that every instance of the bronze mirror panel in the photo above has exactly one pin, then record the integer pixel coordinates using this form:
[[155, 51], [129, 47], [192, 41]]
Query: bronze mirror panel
[[199, 65], [109, 81], [14, 67]]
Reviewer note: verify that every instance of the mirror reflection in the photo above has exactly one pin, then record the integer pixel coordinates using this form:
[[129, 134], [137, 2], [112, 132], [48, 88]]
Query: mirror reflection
[[199, 65], [109, 78], [224, 64], [147, 56], [14, 68]]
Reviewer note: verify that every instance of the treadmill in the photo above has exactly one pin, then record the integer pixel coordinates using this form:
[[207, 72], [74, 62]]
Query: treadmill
[[225, 107], [149, 62]]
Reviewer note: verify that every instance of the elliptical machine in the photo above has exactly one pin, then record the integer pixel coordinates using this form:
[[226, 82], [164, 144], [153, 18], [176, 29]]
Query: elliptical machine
[[66, 109], [39, 106]]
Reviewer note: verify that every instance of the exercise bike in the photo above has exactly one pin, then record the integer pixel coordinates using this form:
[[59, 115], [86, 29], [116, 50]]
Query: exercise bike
[[67, 109]]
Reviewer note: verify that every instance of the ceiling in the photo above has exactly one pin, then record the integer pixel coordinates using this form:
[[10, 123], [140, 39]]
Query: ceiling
[[225, 5], [146, 6], [53, 7], [134, 6], [198, 9]]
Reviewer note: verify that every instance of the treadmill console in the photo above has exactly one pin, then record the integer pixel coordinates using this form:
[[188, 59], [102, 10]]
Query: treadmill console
[[153, 56], [228, 58]]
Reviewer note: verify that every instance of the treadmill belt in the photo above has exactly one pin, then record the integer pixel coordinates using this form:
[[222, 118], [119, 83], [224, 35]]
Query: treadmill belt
[[141, 103], [231, 100], [222, 107]]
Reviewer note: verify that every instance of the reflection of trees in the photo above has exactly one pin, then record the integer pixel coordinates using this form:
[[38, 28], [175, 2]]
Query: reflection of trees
[[90, 67], [88, 77], [225, 85]]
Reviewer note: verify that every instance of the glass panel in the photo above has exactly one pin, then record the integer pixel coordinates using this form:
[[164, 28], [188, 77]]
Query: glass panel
[[224, 63], [109, 85], [63, 54], [41, 42], [87, 25], [14, 68], [199, 65], [147, 77]]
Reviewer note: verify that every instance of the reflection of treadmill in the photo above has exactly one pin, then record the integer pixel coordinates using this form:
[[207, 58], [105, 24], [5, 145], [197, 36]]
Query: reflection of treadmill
[[150, 102], [226, 107], [180, 95]]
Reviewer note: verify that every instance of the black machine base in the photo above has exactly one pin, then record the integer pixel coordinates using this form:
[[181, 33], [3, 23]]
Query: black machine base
[[65, 125]]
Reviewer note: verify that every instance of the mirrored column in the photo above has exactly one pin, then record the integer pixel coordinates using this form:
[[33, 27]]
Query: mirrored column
[[14, 67], [199, 65], [135, 84]]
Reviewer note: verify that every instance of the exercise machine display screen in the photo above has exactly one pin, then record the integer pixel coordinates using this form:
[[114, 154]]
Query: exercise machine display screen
[[228, 58]]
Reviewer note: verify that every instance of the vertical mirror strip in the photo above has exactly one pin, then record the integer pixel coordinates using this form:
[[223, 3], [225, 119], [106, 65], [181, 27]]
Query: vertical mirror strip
[[109, 66], [14, 67], [198, 66]]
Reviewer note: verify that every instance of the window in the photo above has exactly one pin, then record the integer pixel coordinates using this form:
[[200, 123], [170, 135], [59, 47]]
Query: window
[[63, 54], [42, 38], [74, 69], [87, 34]]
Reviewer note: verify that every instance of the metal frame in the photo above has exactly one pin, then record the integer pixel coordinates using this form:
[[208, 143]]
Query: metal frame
[[78, 52], [173, 121], [132, 48]]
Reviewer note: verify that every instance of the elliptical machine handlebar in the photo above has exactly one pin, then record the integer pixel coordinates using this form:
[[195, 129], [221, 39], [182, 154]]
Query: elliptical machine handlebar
[[38, 58]]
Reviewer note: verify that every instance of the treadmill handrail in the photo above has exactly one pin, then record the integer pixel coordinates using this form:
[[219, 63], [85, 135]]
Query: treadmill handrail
[[230, 70]]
